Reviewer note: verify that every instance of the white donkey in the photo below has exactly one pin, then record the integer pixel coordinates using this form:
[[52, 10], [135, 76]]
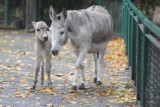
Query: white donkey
[[42, 52], [89, 31]]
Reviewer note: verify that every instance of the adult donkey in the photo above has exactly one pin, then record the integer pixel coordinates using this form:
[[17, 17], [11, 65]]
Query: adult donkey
[[89, 31]]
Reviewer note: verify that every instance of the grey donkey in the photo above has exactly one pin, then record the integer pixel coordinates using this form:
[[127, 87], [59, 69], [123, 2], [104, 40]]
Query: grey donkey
[[42, 52], [89, 31]]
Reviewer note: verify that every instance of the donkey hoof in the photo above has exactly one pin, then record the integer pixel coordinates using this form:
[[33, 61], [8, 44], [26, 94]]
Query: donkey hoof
[[95, 80], [41, 83], [74, 88], [82, 86], [33, 88], [50, 85], [99, 83]]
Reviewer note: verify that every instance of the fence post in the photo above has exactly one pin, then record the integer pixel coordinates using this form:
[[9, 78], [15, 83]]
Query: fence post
[[129, 37], [6, 12], [144, 65], [38, 9], [137, 58], [126, 22], [100, 2], [123, 18]]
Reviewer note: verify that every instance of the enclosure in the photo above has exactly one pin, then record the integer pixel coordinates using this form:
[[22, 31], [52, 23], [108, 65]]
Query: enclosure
[[142, 45], [143, 49], [20, 13]]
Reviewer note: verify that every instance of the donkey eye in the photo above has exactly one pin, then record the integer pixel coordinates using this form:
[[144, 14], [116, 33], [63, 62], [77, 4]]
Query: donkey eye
[[38, 30], [62, 33], [47, 29], [59, 17]]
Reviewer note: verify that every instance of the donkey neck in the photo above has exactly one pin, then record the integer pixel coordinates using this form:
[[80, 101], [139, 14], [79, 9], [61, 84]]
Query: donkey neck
[[39, 42]]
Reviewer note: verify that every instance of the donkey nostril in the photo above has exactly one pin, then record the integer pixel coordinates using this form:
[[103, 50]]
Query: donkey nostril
[[45, 38], [55, 52]]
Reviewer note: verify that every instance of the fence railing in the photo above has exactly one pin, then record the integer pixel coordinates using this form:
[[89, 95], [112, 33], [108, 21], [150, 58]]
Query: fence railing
[[142, 40]]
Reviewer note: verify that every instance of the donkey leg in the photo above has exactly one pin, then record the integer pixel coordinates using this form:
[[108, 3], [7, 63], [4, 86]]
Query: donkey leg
[[100, 66], [36, 69], [79, 66], [82, 85], [42, 74], [95, 58], [75, 81]]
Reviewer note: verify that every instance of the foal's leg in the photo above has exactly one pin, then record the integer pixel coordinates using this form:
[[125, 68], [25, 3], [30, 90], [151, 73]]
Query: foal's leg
[[47, 68], [79, 66], [42, 73], [100, 66], [95, 58], [36, 70]]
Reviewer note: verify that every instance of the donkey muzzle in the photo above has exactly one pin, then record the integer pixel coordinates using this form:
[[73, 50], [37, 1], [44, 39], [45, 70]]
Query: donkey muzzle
[[55, 52], [45, 38]]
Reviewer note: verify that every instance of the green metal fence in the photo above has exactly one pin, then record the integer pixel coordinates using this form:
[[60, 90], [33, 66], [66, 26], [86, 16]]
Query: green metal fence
[[142, 40]]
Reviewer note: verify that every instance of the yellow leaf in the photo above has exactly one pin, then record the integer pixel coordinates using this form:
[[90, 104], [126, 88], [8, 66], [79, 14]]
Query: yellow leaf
[[45, 77], [17, 93], [50, 105], [61, 105], [73, 91], [31, 75], [109, 92], [1, 91], [22, 81]]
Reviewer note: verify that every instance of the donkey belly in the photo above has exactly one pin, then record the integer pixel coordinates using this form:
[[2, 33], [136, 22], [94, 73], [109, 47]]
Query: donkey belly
[[95, 48]]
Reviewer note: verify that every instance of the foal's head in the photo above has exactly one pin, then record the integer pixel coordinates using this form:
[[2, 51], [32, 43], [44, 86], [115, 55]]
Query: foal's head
[[41, 29], [58, 29]]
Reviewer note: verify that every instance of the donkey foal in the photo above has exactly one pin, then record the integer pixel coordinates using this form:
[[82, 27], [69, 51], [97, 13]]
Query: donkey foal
[[42, 52]]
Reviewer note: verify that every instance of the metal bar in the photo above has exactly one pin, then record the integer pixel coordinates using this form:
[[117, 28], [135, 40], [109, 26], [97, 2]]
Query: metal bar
[[153, 40], [132, 27], [126, 32], [152, 27], [129, 37], [137, 59], [6, 12], [38, 9], [144, 65], [123, 30], [100, 2], [134, 47]]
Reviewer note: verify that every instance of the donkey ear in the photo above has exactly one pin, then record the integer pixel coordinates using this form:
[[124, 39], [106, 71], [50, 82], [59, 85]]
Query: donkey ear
[[52, 13], [64, 12], [33, 23]]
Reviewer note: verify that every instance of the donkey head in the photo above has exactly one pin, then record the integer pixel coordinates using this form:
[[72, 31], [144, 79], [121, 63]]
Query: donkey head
[[41, 29], [58, 29]]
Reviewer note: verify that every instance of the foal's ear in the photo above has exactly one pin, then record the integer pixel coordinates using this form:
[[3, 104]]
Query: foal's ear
[[33, 23], [64, 12], [52, 13]]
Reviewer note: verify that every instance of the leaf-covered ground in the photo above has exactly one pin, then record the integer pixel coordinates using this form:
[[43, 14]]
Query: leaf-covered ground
[[17, 72]]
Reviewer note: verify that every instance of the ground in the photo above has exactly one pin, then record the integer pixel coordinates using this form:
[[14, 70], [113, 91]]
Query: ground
[[17, 72]]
